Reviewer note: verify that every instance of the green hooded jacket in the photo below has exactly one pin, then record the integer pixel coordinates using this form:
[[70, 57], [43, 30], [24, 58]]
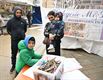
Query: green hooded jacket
[[26, 56]]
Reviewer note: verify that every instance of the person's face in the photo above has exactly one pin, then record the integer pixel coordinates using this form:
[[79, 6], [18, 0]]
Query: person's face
[[31, 44], [57, 18], [18, 13], [51, 17]]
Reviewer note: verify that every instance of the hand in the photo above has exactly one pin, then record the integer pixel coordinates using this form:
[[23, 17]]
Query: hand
[[51, 36]]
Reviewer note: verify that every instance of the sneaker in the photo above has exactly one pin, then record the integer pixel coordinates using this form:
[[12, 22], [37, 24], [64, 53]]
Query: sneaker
[[12, 69], [50, 47], [51, 50]]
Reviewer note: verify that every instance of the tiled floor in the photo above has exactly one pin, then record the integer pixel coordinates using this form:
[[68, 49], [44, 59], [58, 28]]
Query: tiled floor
[[92, 64]]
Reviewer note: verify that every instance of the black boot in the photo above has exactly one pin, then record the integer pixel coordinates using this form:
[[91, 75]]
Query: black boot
[[16, 74], [12, 69]]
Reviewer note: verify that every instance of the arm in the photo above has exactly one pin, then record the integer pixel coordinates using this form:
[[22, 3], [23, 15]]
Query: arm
[[28, 59], [46, 30], [8, 25], [25, 28], [37, 55]]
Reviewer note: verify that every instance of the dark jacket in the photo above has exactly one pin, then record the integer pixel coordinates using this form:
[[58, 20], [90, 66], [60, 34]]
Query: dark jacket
[[55, 27], [16, 27]]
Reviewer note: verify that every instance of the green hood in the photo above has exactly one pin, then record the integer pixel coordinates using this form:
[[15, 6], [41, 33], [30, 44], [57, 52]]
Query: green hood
[[21, 45]]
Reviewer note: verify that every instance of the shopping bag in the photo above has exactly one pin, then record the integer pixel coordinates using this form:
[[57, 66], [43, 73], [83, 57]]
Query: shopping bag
[[46, 41]]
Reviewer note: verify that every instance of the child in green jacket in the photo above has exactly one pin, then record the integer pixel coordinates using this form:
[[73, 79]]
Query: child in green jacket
[[27, 55]]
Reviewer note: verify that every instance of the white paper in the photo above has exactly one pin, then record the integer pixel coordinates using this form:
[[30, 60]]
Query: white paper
[[74, 75], [71, 64]]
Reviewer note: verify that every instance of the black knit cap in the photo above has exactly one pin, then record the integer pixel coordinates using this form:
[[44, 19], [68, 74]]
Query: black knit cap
[[17, 8]]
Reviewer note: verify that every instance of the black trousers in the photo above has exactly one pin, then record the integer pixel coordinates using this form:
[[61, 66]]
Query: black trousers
[[29, 22], [14, 50], [56, 45]]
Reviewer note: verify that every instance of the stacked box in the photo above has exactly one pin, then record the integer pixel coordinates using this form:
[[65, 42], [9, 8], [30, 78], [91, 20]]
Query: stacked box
[[48, 75]]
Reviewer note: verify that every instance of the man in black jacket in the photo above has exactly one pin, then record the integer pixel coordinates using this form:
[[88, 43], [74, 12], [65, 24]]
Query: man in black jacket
[[17, 28]]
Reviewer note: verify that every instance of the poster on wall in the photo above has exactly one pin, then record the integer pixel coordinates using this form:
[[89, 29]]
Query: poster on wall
[[74, 29], [84, 31]]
